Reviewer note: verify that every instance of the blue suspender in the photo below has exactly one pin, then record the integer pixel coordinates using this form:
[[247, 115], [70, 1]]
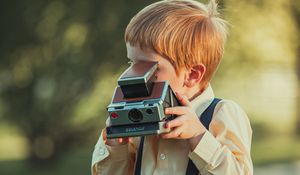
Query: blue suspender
[[205, 119], [138, 164]]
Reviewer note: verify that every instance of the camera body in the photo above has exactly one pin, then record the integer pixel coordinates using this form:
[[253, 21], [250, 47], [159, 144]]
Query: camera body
[[138, 104]]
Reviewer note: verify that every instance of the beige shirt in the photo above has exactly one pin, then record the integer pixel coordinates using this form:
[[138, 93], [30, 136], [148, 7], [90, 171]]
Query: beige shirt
[[224, 150]]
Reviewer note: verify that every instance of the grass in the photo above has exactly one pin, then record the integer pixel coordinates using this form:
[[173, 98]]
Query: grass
[[76, 162]]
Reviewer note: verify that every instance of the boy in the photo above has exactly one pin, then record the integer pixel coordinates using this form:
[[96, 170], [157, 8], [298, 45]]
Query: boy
[[187, 39]]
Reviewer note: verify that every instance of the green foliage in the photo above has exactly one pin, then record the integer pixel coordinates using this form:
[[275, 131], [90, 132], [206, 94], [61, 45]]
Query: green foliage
[[59, 61], [55, 57]]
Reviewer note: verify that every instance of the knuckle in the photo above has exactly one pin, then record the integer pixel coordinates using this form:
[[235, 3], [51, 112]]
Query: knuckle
[[182, 119], [176, 122], [188, 110], [179, 122]]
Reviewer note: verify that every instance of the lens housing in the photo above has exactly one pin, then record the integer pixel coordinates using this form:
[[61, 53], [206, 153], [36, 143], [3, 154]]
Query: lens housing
[[135, 115]]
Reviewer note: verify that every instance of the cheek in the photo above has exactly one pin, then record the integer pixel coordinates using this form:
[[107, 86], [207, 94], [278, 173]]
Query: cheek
[[176, 83], [167, 73], [161, 75]]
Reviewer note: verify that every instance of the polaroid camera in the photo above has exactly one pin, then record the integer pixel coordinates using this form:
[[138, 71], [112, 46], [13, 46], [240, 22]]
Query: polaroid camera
[[137, 106]]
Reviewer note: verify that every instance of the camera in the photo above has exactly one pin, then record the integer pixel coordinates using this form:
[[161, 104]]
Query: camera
[[138, 104]]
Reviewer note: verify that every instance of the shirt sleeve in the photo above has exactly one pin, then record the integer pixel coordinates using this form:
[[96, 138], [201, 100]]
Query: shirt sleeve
[[116, 160], [225, 149]]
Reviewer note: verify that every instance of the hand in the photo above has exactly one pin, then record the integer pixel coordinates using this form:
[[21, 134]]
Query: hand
[[114, 142], [186, 125]]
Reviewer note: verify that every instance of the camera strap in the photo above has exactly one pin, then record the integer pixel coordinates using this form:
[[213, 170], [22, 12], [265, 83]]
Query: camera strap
[[205, 119]]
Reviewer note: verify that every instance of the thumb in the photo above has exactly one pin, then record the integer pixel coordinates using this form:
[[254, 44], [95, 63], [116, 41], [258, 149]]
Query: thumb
[[183, 100]]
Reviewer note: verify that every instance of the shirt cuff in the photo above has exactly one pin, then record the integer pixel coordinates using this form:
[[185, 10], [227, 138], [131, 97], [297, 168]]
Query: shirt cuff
[[205, 150], [113, 153]]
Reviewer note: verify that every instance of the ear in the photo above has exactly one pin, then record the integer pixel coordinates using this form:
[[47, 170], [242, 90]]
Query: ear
[[194, 75]]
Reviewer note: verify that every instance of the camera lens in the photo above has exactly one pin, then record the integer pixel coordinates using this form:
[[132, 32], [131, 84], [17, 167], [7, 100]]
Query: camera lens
[[135, 115]]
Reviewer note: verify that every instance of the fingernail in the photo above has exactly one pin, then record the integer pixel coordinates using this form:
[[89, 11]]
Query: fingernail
[[166, 125]]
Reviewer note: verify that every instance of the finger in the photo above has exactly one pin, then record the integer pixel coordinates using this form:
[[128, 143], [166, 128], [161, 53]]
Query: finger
[[183, 100], [178, 110], [176, 133], [174, 123]]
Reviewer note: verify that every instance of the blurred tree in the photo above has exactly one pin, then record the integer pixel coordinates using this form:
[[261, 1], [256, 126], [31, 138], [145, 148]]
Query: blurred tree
[[59, 59], [53, 55], [296, 12]]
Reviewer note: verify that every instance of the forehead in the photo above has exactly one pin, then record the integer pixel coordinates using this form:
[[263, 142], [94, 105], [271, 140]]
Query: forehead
[[135, 53]]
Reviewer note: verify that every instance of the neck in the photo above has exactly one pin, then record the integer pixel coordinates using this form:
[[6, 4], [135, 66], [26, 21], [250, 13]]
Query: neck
[[196, 92]]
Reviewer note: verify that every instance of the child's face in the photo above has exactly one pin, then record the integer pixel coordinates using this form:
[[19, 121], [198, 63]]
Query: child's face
[[165, 71]]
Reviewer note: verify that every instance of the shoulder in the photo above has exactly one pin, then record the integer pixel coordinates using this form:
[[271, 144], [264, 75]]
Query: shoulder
[[229, 110], [230, 116]]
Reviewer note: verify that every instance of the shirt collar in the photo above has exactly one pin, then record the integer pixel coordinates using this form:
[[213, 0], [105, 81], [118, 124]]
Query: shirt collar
[[200, 103]]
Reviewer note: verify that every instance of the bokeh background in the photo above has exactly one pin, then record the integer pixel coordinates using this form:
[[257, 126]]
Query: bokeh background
[[60, 59]]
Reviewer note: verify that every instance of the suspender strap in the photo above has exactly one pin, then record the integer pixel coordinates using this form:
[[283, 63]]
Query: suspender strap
[[139, 158], [205, 119], [206, 116]]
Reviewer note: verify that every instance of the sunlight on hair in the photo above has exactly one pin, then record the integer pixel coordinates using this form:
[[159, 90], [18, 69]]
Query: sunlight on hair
[[186, 32]]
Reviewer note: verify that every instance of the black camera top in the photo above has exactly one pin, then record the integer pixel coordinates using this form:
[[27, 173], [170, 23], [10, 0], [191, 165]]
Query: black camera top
[[137, 80]]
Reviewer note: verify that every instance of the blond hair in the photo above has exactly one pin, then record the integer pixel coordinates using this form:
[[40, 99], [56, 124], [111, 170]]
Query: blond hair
[[185, 32]]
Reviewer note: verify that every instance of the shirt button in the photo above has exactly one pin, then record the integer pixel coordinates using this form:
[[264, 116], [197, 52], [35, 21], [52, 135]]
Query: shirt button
[[162, 156], [101, 151]]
